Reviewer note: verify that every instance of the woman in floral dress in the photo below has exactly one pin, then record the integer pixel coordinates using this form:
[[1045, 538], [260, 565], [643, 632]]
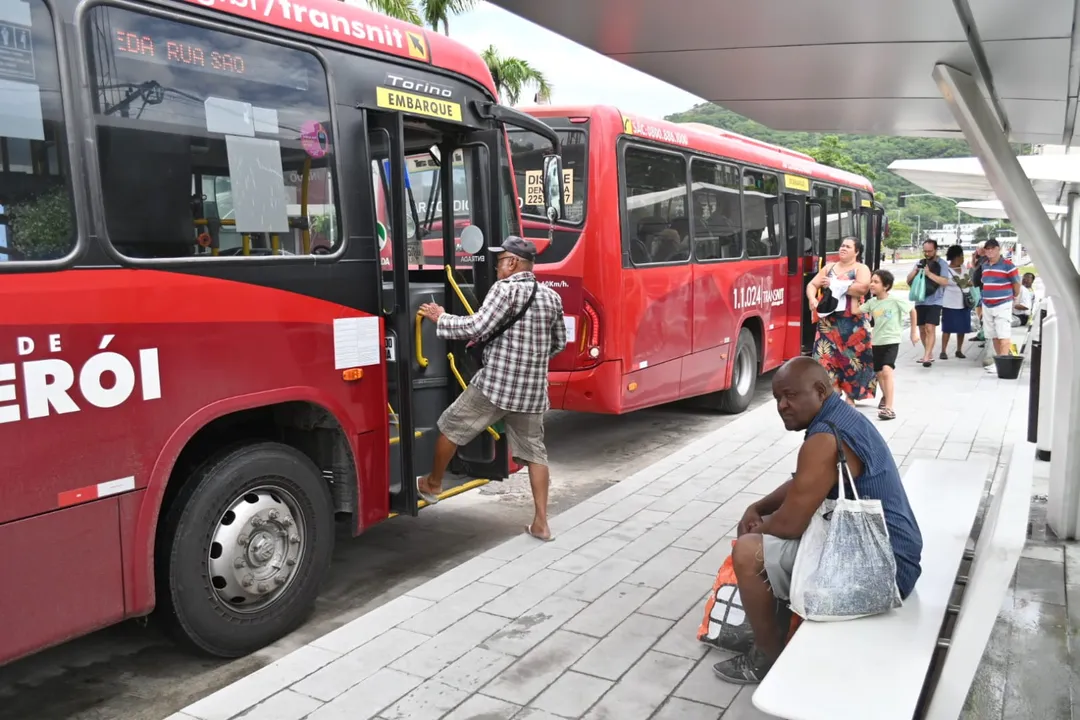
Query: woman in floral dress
[[842, 345]]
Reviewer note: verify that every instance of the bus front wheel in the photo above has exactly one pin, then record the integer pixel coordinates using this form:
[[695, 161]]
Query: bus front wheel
[[744, 373], [244, 548]]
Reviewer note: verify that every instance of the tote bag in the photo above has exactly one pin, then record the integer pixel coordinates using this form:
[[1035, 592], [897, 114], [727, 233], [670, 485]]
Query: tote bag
[[845, 567]]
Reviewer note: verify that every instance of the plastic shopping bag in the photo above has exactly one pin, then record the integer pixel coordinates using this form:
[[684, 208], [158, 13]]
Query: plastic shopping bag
[[845, 567], [917, 291], [724, 607]]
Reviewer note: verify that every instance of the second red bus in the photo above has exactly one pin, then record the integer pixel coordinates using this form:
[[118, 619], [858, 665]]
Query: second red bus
[[683, 257]]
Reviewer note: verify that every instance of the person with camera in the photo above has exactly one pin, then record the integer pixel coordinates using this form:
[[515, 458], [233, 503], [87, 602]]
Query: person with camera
[[928, 310], [521, 326]]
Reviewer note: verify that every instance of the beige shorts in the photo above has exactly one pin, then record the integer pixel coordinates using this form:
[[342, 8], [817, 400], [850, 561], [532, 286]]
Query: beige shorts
[[779, 558], [997, 321], [472, 413]]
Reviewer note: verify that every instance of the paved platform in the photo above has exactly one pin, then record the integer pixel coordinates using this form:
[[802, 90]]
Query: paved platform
[[600, 623]]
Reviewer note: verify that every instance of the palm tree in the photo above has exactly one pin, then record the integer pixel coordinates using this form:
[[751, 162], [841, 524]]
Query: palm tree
[[400, 9], [432, 13], [512, 75], [438, 12]]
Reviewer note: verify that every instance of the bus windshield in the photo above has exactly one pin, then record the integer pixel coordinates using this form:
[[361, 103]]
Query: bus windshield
[[527, 150]]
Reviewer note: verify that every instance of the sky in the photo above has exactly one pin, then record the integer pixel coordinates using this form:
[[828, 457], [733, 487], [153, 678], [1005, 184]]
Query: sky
[[607, 82]]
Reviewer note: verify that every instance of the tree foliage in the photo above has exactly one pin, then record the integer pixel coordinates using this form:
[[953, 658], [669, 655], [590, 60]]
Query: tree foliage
[[513, 75], [831, 151], [849, 152], [41, 228], [900, 234]]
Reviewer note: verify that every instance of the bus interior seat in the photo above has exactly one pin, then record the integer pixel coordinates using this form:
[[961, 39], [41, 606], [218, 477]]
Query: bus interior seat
[[156, 169]]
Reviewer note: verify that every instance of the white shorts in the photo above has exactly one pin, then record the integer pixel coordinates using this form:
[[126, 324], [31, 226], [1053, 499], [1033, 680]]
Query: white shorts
[[997, 321]]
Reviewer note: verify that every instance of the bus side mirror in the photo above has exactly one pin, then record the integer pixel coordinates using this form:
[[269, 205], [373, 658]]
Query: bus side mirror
[[553, 187]]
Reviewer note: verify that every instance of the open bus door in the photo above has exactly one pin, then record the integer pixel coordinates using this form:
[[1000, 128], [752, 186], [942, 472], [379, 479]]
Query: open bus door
[[871, 234], [426, 373], [806, 257]]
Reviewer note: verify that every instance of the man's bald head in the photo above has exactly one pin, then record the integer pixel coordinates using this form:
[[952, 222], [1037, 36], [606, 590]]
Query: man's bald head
[[800, 387]]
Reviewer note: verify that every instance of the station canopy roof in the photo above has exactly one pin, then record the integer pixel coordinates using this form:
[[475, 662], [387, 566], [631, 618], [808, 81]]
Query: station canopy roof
[[963, 178], [994, 210], [832, 66]]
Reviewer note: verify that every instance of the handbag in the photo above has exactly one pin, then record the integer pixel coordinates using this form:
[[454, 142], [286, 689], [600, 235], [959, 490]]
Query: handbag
[[845, 567], [476, 348], [724, 610], [917, 291]]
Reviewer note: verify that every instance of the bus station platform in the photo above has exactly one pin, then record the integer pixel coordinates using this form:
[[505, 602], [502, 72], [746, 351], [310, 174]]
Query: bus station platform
[[601, 622]]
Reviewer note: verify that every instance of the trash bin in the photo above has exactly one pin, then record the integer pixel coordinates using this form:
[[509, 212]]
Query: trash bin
[[1008, 366]]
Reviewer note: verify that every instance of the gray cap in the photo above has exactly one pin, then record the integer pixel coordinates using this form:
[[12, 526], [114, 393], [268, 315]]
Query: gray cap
[[515, 245]]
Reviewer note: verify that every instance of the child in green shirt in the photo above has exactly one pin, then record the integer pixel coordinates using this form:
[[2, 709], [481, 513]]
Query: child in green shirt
[[888, 313]]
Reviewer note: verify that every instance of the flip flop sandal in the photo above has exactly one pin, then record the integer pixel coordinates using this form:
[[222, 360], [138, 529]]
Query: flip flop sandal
[[886, 414], [541, 538], [425, 496]]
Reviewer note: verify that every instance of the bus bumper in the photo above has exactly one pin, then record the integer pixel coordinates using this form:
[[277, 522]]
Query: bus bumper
[[596, 390]]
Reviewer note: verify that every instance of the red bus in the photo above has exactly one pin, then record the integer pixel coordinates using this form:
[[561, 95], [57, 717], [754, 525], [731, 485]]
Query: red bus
[[683, 256], [209, 349]]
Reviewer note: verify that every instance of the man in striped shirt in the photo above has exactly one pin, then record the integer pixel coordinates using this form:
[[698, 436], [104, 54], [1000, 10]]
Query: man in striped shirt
[[1000, 285]]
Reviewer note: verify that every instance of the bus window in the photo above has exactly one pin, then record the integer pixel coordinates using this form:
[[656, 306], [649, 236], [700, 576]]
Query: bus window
[[717, 215], [657, 229], [760, 215], [847, 214], [831, 197], [527, 150], [226, 141], [37, 221]]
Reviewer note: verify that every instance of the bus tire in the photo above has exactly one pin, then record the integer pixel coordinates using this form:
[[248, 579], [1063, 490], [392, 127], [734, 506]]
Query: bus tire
[[244, 548], [744, 373]]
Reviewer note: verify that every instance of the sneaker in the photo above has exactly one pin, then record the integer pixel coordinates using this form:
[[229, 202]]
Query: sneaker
[[960, 354], [747, 669], [943, 356], [738, 639]]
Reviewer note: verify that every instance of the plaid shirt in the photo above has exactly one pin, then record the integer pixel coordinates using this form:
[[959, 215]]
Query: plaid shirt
[[515, 373]]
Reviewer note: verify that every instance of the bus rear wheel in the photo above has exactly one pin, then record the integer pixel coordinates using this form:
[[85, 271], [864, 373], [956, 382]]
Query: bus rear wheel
[[244, 548], [744, 373]]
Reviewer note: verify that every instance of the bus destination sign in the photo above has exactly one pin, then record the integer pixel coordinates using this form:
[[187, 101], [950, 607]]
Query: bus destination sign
[[186, 52]]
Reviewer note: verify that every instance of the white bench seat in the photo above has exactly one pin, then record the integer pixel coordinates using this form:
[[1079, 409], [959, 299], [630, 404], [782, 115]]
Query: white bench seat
[[875, 667]]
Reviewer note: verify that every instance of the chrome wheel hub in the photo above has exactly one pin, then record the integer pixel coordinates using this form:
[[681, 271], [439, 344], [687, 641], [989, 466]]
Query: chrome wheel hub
[[255, 549]]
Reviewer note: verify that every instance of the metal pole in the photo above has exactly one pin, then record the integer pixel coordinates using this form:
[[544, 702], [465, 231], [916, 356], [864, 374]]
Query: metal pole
[[984, 134]]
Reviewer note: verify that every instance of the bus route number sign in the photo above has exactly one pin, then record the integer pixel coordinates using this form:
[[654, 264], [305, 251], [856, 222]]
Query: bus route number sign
[[746, 296]]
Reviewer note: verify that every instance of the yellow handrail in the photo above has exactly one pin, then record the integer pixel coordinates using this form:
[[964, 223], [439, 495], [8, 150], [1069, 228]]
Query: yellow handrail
[[461, 381], [457, 290], [420, 359]]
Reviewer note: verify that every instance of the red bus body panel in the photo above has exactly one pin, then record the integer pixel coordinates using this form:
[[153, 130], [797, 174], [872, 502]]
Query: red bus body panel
[[667, 332], [220, 347]]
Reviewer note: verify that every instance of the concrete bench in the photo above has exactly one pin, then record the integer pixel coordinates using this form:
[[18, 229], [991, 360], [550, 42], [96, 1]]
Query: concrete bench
[[876, 667]]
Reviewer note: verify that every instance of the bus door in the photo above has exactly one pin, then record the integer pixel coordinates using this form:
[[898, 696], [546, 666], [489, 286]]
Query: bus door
[[871, 234], [806, 256], [433, 187]]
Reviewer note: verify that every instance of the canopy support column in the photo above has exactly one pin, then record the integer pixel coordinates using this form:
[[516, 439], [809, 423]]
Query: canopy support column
[[986, 138], [1072, 229]]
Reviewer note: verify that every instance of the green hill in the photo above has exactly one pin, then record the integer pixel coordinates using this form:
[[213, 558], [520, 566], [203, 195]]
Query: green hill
[[871, 155]]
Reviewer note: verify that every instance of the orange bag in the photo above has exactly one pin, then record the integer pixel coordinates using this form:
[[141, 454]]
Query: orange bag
[[724, 606]]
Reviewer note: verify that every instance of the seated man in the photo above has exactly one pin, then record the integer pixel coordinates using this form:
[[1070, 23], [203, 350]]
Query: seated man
[[769, 532]]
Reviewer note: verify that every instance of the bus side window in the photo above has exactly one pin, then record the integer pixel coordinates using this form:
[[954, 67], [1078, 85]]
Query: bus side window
[[656, 202], [759, 213], [37, 220], [847, 214], [226, 141], [831, 197], [718, 231]]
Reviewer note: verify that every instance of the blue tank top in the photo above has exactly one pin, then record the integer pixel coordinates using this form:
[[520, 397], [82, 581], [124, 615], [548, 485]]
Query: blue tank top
[[880, 480]]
